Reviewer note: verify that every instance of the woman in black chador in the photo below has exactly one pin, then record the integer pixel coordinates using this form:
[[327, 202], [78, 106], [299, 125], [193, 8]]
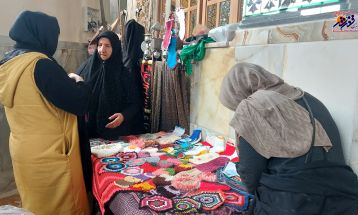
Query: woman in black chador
[[116, 106]]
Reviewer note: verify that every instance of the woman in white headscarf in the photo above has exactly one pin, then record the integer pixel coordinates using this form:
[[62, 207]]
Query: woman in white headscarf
[[290, 149]]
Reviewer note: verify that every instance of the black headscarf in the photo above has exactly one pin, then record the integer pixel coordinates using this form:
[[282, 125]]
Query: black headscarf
[[133, 38], [108, 93], [35, 31]]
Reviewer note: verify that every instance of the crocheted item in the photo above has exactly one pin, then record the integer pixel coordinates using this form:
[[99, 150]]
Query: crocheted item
[[160, 172], [168, 139], [234, 182], [132, 148], [106, 150], [150, 143], [127, 182], [174, 161], [186, 182], [143, 154], [208, 176], [168, 191], [137, 142], [218, 143], [213, 165], [132, 171], [110, 160], [150, 150], [130, 207], [123, 184], [203, 158], [171, 171], [186, 206], [149, 174], [197, 150], [229, 150], [142, 177], [233, 198], [210, 186], [160, 181], [167, 177], [98, 141], [153, 160], [132, 179], [157, 203], [145, 186], [210, 200], [136, 162], [126, 156], [114, 167], [183, 167]]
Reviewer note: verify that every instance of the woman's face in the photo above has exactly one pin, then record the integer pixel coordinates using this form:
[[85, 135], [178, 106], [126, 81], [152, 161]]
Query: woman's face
[[104, 48]]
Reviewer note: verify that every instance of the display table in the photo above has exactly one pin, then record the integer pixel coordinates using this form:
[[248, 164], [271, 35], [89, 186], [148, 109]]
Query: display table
[[143, 177]]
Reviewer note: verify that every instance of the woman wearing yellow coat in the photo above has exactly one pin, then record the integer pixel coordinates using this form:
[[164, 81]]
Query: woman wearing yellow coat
[[41, 103]]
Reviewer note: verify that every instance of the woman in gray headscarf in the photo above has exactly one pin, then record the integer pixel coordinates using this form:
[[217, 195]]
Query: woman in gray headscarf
[[290, 149]]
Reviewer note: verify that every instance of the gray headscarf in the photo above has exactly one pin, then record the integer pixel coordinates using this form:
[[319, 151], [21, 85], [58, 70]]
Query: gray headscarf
[[266, 114]]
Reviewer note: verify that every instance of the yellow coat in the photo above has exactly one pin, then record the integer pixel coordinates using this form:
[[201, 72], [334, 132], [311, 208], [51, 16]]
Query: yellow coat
[[44, 143]]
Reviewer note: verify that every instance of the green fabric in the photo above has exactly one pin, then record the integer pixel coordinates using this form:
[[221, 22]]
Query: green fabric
[[194, 52]]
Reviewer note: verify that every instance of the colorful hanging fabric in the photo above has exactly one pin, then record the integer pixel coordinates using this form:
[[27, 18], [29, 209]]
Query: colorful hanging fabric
[[194, 52]]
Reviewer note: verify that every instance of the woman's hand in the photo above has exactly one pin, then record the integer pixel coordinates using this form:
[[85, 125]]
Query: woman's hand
[[75, 77], [117, 120]]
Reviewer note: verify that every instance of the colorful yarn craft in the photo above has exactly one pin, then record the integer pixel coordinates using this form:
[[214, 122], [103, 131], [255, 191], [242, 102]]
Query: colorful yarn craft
[[126, 156], [186, 182], [136, 162], [110, 160], [145, 186], [168, 191], [160, 181], [210, 200], [213, 165], [186, 206], [208, 176], [132, 171], [210, 186], [160, 171], [114, 167], [156, 203]]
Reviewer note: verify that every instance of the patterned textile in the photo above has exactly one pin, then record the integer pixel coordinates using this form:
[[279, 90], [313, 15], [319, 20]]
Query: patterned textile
[[168, 191], [129, 208], [157, 203], [152, 184], [108, 178], [171, 96], [235, 183], [213, 164], [186, 206], [210, 200], [146, 71], [238, 199], [114, 167]]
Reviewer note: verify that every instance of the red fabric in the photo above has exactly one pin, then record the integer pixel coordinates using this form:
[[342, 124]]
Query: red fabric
[[147, 167], [229, 150], [210, 186], [103, 186]]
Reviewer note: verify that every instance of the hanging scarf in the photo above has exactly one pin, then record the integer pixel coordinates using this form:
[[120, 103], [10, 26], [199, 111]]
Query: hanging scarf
[[194, 52]]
